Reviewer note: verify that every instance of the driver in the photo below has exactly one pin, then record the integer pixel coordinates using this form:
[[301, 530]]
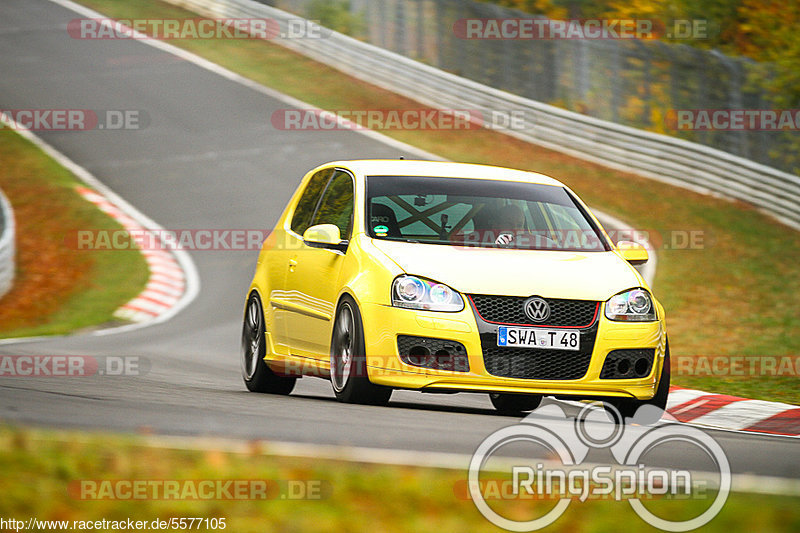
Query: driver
[[510, 220]]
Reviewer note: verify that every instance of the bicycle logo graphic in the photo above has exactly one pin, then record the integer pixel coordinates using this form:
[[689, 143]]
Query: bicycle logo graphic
[[572, 445]]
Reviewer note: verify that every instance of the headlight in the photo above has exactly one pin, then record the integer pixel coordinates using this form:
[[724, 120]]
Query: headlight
[[416, 293], [634, 305]]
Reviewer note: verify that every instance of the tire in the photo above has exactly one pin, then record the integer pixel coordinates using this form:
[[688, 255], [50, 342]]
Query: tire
[[623, 409], [258, 377], [349, 377], [515, 403]]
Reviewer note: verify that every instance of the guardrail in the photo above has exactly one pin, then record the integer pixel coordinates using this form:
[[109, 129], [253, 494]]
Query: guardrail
[[647, 154], [7, 245]]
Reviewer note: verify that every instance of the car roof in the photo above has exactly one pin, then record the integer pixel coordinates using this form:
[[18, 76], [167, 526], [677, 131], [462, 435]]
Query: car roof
[[406, 167]]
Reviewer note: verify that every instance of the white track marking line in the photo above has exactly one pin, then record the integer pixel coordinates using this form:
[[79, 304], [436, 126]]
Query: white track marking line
[[689, 407], [681, 396], [742, 414]]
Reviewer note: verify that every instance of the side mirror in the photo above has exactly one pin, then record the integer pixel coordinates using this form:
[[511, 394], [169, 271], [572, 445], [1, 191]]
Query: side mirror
[[633, 252], [324, 236]]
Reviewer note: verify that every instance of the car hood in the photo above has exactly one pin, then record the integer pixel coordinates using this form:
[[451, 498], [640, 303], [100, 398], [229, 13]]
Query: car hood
[[551, 274]]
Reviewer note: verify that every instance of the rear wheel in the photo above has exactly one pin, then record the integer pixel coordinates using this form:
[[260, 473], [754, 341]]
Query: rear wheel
[[626, 407], [258, 377], [515, 403], [349, 377]]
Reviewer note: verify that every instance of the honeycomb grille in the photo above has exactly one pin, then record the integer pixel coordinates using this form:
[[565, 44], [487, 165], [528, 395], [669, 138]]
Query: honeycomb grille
[[534, 363], [436, 354], [621, 364], [511, 310]]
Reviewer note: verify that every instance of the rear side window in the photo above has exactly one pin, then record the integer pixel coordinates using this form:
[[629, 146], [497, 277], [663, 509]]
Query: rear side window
[[301, 220], [336, 206]]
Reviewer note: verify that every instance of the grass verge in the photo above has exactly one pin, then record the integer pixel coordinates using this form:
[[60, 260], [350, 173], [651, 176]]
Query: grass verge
[[58, 289], [715, 291], [43, 470]]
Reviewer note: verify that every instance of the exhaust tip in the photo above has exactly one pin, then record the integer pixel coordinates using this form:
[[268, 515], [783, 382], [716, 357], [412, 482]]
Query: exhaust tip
[[418, 354]]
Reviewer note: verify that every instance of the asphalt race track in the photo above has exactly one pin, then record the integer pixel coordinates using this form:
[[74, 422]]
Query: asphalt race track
[[210, 159]]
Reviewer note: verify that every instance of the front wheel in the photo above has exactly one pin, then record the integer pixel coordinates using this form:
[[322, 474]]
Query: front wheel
[[258, 377], [515, 403], [349, 377]]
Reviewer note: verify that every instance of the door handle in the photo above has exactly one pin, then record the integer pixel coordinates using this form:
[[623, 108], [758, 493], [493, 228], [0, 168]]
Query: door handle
[[292, 264]]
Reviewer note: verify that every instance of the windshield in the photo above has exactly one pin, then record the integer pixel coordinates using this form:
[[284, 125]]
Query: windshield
[[475, 212]]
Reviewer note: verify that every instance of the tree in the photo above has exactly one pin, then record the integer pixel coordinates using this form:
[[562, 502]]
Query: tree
[[768, 33]]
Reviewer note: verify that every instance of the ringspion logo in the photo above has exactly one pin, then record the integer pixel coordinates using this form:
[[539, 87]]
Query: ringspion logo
[[566, 478]]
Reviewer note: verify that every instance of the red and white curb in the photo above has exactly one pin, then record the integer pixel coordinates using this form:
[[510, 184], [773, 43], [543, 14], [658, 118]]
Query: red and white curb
[[733, 413], [166, 283], [173, 282]]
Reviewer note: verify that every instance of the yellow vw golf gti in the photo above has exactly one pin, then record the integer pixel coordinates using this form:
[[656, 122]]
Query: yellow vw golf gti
[[451, 277]]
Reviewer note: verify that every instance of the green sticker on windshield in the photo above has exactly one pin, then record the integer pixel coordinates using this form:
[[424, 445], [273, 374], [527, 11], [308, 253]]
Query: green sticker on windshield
[[381, 230]]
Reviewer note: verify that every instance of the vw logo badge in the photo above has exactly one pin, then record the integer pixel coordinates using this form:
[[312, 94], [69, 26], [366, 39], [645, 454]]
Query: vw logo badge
[[537, 309]]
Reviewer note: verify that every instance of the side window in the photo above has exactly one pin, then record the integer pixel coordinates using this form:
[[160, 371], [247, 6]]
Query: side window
[[562, 218], [301, 220], [336, 206]]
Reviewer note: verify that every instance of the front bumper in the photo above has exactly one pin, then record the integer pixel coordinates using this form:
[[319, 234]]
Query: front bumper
[[383, 324]]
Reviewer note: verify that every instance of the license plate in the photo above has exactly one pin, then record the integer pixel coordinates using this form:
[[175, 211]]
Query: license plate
[[551, 339]]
